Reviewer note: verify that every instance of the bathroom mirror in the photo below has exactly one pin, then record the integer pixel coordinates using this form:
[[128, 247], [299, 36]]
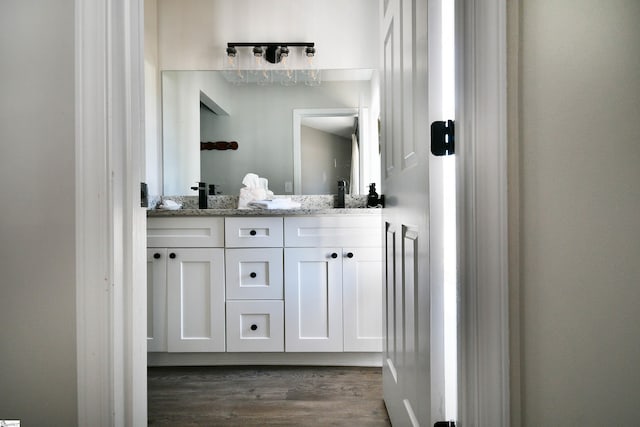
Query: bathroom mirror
[[290, 135]]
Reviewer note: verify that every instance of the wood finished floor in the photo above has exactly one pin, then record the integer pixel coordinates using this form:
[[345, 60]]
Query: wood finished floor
[[266, 396]]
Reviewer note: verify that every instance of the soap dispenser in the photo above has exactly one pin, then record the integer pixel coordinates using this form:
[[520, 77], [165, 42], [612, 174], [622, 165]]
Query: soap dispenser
[[372, 197], [373, 200]]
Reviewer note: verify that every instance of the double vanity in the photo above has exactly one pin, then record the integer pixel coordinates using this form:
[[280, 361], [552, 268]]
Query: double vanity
[[230, 286]]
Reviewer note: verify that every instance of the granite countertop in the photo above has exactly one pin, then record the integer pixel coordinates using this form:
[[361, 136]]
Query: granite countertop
[[260, 212], [227, 206]]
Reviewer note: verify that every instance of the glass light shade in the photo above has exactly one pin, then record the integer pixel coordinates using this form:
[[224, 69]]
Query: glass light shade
[[311, 73], [260, 74], [232, 71], [286, 75]]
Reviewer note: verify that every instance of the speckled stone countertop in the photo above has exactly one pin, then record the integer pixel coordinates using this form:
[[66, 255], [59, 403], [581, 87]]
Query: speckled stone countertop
[[227, 206]]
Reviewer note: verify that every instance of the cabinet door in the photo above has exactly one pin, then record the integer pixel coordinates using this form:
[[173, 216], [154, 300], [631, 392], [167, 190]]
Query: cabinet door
[[157, 299], [195, 300], [362, 298], [313, 299]]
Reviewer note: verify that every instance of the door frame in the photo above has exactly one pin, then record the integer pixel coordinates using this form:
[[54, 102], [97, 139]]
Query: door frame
[[110, 223], [111, 311], [484, 395]]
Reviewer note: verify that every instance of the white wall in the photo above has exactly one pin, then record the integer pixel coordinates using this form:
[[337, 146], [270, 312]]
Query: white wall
[[194, 33], [152, 105], [580, 212], [327, 158], [181, 125], [37, 231]]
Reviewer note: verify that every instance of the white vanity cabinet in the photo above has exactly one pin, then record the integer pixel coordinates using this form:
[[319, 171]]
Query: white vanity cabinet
[[333, 284], [254, 284], [186, 279], [264, 289]]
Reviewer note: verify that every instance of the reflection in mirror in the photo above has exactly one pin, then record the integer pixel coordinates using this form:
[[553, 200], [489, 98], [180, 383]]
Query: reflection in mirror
[[326, 149], [201, 106]]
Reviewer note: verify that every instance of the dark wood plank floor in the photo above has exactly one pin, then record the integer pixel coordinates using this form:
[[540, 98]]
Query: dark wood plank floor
[[266, 396]]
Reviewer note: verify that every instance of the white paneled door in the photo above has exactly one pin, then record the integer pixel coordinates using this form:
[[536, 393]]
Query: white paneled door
[[413, 326]]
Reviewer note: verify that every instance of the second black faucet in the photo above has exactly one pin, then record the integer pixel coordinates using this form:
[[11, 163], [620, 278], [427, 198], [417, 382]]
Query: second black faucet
[[202, 195]]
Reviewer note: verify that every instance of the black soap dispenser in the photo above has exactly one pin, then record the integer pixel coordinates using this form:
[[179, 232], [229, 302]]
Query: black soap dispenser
[[373, 200]]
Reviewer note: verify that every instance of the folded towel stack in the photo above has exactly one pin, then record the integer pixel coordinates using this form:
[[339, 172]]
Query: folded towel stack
[[284, 203]]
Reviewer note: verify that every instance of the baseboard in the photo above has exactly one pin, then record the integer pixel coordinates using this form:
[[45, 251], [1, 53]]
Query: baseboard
[[301, 359]]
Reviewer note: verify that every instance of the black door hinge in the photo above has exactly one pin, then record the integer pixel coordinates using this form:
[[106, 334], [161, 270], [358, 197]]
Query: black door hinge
[[445, 424], [144, 195], [443, 138]]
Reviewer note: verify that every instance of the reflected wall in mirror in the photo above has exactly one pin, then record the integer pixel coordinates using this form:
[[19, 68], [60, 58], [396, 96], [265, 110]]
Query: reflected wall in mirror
[[202, 106], [326, 149]]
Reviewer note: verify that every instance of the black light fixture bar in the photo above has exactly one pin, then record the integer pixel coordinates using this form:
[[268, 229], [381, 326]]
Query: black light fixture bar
[[273, 44], [273, 52]]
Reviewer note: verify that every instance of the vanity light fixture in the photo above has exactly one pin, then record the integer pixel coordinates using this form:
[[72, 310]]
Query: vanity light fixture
[[273, 52], [268, 62]]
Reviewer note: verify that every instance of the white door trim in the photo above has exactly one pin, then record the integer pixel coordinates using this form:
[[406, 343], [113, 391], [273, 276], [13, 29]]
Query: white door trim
[[110, 273], [481, 144]]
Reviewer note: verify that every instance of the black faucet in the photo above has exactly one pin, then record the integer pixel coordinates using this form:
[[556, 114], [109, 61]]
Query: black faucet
[[202, 195], [341, 189]]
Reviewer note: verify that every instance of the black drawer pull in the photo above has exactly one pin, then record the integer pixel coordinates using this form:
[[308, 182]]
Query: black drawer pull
[[334, 255], [253, 232], [172, 255], [253, 275], [254, 327], [156, 255], [349, 254]]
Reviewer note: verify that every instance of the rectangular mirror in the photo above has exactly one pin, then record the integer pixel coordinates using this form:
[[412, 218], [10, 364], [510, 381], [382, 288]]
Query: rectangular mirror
[[333, 124]]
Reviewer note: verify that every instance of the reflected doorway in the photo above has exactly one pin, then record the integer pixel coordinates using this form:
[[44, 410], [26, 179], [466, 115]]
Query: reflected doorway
[[329, 145]]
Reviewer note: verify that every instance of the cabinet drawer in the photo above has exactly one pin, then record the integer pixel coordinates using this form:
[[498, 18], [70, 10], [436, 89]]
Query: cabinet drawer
[[352, 231], [255, 326], [253, 232], [254, 273], [185, 232]]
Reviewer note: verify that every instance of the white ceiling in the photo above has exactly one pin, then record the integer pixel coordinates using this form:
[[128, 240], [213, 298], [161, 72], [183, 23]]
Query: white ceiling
[[341, 126]]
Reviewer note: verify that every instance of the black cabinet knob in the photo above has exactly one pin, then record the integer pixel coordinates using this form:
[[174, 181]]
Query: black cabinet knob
[[334, 255], [349, 254], [156, 255], [254, 327], [172, 255], [253, 232], [253, 275]]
